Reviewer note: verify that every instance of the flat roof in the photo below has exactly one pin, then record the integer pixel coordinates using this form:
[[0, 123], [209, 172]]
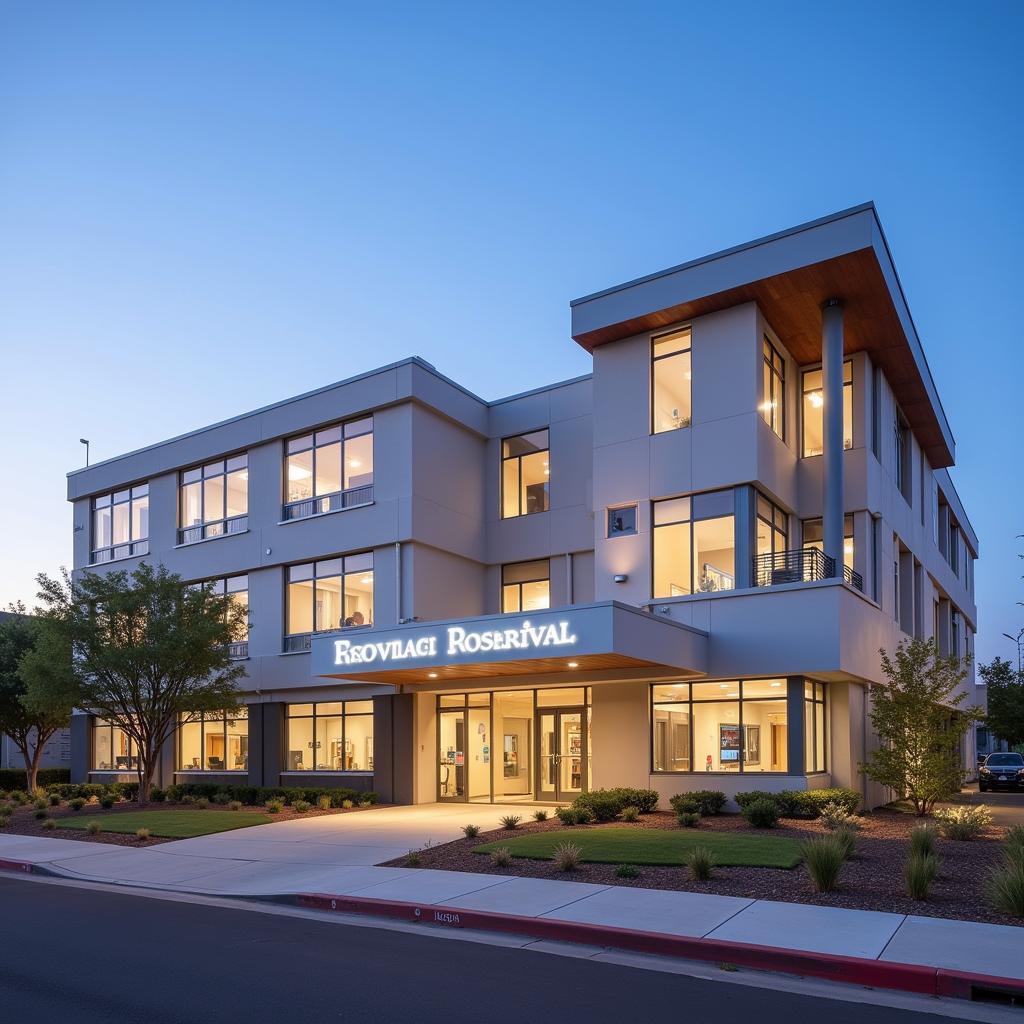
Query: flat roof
[[790, 274]]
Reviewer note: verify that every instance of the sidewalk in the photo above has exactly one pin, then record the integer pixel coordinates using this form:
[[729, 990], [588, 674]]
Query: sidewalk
[[223, 868]]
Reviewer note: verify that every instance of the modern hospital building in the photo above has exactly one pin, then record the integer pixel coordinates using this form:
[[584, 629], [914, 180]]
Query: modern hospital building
[[675, 572]]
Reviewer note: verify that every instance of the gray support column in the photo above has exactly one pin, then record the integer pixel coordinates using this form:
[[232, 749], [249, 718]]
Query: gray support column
[[255, 773], [832, 388], [745, 533], [266, 743], [795, 729], [81, 747], [164, 774], [393, 750]]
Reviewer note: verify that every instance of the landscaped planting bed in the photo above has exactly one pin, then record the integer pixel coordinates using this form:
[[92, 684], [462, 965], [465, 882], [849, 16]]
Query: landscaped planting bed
[[872, 879]]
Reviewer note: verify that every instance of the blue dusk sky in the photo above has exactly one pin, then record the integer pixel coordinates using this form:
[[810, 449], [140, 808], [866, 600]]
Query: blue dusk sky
[[209, 207]]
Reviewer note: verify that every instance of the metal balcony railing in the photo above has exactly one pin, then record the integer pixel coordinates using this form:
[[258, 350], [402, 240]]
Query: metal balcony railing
[[328, 503], [799, 565], [220, 528]]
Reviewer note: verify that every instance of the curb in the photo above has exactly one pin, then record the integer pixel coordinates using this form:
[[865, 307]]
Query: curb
[[882, 974], [915, 978]]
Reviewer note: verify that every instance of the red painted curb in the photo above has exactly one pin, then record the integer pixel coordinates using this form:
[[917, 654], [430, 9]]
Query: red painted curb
[[914, 978], [15, 865]]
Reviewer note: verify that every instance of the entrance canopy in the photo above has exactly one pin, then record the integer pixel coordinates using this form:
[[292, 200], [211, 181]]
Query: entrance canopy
[[609, 638]]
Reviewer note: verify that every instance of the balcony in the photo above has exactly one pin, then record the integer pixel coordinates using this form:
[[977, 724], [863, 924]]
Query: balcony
[[206, 531], [801, 565], [318, 506], [238, 651]]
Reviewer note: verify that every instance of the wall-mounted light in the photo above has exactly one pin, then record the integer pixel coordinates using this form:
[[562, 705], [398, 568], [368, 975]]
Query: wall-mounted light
[[620, 577], [574, 664]]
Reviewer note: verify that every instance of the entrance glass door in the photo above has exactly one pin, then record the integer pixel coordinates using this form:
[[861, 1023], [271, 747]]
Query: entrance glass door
[[451, 768], [561, 753]]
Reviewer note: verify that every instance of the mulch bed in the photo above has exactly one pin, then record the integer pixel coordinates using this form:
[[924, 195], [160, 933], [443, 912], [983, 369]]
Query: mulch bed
[[24, 823], [871, 880]]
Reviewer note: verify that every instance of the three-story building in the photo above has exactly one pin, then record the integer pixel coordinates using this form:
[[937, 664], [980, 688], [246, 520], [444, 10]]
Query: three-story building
[[675, 572]]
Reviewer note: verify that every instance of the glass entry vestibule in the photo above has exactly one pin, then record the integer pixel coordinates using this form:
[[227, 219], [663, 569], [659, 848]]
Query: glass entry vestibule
[[513, 745]]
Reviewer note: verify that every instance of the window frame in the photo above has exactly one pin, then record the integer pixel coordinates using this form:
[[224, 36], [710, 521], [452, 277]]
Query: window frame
[[214, 718], [612, 510], [133, 756], [344, 714], [519, 584], [135, 546], [330, 501], [811, 748], [518, 459], [655, 359], [205, 528], [773, 373], [294, 643], [805, 391], [739, 701], [691, 521]]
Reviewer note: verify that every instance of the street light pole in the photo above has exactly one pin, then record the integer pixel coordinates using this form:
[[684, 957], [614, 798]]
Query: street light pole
[[82, 440], [1018, 640]]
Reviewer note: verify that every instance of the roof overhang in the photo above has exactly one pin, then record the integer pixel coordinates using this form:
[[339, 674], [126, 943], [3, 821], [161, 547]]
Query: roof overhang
[[598, 638], [789, 275]]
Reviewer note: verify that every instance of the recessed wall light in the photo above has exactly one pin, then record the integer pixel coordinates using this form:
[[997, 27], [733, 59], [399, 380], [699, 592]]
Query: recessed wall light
[[431, 675], [574, 664]]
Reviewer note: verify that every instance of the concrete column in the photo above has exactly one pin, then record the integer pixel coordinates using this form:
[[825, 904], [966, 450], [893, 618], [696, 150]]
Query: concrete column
[[81, 747], [832, 388], [746, 514], [795, 729]]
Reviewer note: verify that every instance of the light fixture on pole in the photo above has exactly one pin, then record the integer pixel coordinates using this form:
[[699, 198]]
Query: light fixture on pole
[[1018, 639], [82, 440]]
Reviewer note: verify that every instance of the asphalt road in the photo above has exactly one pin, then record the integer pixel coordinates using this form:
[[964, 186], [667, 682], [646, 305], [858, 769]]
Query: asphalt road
[[83, 956]]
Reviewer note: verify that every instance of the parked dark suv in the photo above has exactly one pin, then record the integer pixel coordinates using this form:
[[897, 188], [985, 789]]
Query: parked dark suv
[[1001, 771]]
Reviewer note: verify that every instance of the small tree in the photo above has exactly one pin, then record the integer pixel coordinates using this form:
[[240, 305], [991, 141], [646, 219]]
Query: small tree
[[36, 692], [919, 719], [149, 651], [1005, 688]]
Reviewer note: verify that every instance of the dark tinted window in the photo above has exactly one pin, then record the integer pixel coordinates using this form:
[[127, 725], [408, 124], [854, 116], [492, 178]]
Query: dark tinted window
[[1004, 761]]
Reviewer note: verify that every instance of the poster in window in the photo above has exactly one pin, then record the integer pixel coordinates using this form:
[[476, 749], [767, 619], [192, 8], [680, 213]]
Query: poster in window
[[729, 744], [753, 744]]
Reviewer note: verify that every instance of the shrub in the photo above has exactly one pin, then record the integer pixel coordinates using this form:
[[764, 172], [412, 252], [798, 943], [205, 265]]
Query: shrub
[[93, 828], [574, 815], [93, 801], [235, 805], [301, 806], [918, 874], [688, 819], [501, 857], [847, 839], [701, 863], [963, 823], [607, 804], [835, 816], [222, 798], [706, 802], [540, 815], [762, 813], [471, 831], [1006, 887], [511, 820], [202, 803], [54, 799], [1014, 846], [274, 807], [323, 802], [347, 804], [922, 841], [40, 804], [823, 859], [14, 778], [40, 813], [627, 871], [76, 803], [142, 833], [413, 859], [157, 795], [107, 801], [629, 814], [49, 824], [800, 803], [567, 856], [19, 796]]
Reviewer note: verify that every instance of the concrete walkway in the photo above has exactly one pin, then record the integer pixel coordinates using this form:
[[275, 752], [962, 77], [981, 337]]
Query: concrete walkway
[[336, 855]]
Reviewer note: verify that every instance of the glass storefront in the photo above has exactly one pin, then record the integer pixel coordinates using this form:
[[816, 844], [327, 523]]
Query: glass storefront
[[510, 745]]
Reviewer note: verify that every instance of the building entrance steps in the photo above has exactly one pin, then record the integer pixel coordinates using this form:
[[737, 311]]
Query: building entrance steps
[[329, 863]]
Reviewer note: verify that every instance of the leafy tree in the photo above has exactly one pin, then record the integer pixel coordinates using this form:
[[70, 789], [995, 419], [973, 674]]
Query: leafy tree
[[36, 686], [920, 721], [1005, 686], [149, 651]]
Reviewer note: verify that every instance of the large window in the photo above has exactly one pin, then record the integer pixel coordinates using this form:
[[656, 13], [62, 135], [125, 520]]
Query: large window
[[330, 469], [120, 524], [815, 730], [214, 499], [329, 594], [333, 737], [112, 749], [694, 544], [237, 590], [814, 537], [214, 741], [901, 448], [813, 406], [670, 381], [525, 472], [773, 390], [732, 726], [526, 586], [772, 528]]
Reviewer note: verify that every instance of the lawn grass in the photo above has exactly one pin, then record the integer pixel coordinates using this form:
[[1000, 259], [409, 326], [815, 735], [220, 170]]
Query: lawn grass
[[657, 846], [170, 824]]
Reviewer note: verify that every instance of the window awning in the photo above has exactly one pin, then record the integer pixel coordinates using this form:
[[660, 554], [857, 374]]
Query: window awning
[[607, 638]]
